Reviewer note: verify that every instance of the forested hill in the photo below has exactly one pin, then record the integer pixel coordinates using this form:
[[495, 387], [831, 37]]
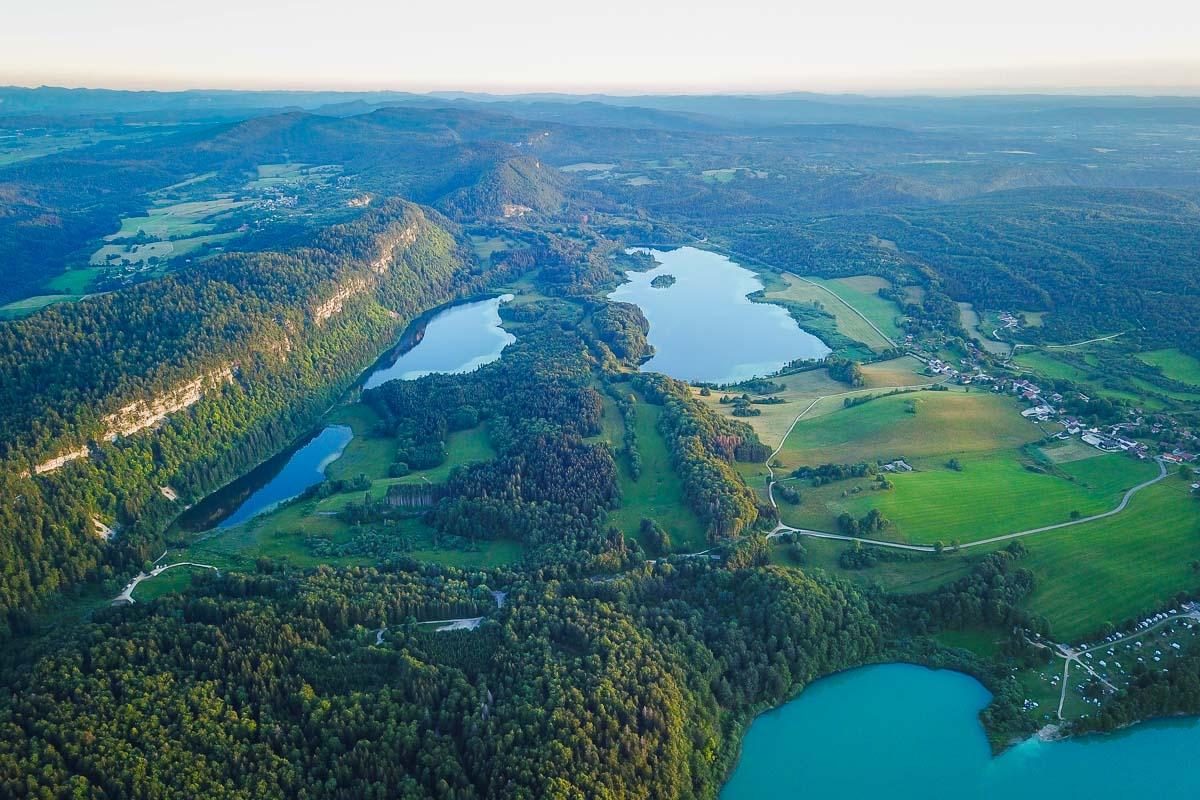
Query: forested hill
[[187, 381]]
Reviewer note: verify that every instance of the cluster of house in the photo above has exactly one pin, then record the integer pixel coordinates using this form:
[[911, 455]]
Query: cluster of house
[[1046, 408], [968, 371]]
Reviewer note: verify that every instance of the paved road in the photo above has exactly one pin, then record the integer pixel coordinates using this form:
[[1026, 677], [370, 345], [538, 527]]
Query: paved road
[[126, 595]]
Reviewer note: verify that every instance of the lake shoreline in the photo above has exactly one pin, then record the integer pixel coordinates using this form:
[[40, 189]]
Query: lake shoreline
[[412, 335], [1037, 751]]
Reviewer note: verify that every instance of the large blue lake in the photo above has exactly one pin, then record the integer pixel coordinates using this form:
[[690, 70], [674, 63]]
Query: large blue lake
[[455, 340], [705, 328], [898, 731]]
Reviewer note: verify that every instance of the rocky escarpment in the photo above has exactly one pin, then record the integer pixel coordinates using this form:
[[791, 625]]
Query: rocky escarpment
[[142, 414], [388, 245]]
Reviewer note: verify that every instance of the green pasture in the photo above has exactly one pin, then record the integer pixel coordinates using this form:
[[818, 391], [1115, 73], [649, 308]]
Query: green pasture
[[945, 423]]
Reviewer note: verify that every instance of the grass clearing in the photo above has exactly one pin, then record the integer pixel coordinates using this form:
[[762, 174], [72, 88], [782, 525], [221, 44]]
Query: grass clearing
[[282, 533], [804, 387], [657, 493], [1175, 364], [921, 574], [1118, 567], [993, 495], [973, 323], [74, 281], [847, 322], [487, 246], [27, 305], [946, 423], [1068, 450]]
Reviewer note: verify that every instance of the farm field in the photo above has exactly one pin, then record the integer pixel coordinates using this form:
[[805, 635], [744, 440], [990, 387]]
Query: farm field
[[19, 308], [1174, 364], [291, 175], [994, 494], [946, 423], [657, 493], [74, 281], [852, 291], [175, 220], [1114, 568], [486, 246], [804, 387]]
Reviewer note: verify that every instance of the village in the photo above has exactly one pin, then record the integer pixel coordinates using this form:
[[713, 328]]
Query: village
[[1175, 445]]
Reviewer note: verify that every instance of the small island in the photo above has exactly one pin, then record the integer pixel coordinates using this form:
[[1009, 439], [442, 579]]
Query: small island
[[663, 281]]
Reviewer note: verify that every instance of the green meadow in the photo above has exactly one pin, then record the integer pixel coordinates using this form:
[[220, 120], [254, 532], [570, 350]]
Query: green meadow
[[1118, 567], [995, 493], [944, 423], [1174, 364], [657, 493]]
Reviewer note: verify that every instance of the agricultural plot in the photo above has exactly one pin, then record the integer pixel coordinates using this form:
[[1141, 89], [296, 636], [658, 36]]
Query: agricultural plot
[[290, 175], [802, 388], [1117, 567], [994, 494], [846, 292], [944, 424], [1174, 364], [176, 220]]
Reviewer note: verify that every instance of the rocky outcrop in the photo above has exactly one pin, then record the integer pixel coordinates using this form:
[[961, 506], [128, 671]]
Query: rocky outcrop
[[335, 304], [142, 414], [357, 286], [58, 461]]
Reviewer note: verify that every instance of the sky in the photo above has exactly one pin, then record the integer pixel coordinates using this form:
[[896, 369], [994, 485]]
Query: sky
[[881, 46]]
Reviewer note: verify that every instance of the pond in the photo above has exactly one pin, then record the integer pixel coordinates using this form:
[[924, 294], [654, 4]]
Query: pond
[[704, 327], [900, 731], [281, 478], [457, 339]]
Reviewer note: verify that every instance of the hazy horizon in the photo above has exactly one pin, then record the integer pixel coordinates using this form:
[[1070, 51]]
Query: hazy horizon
[[625, 47]]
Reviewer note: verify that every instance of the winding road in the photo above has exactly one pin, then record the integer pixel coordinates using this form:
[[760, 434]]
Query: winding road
[[126, 595], [841, 300]]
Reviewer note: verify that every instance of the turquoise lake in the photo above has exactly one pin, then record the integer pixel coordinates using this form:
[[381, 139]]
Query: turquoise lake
[[900, 731], [705, 328], [455, 340]]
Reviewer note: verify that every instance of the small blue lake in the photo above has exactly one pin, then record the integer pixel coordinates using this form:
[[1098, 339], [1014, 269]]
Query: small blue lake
[[303, 468], [898, 731], [705, 328], [457, 339]]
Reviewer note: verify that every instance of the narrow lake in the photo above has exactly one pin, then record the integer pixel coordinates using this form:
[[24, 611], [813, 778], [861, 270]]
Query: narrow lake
[[704, 327], [900, 731], [281, 478], [457, 339]]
